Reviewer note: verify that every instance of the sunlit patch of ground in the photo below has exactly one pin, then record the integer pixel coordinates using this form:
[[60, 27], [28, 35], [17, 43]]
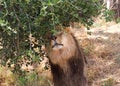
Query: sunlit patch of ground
[[102, 48]]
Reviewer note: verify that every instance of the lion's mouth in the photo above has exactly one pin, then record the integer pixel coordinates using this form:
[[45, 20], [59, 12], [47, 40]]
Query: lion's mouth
[[56, 44]]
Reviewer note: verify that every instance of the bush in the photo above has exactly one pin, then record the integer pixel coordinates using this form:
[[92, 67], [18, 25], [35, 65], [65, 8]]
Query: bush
[[24, 23]]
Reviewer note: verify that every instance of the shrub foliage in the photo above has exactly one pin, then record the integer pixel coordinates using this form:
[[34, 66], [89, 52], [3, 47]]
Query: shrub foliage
[[21, 18]]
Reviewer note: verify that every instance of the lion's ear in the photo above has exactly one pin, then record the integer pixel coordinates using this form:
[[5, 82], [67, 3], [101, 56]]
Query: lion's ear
[[70, 30]]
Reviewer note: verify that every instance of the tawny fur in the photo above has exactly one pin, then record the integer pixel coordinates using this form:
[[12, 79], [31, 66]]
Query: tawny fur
[[67, 61], [60, 54]]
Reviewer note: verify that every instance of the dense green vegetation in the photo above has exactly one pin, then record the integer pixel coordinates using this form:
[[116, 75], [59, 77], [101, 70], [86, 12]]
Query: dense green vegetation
[[21, 18]]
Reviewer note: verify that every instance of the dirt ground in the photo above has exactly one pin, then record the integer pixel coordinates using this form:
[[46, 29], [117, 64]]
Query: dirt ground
[[102, 48]]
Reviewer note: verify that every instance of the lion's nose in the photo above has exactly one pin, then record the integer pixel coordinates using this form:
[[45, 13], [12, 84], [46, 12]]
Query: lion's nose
[[53, 37]]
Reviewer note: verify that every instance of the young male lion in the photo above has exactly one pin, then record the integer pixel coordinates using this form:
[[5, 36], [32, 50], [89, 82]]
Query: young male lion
[[66, 60]]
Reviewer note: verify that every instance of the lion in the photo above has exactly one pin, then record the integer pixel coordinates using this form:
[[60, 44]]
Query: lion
[[66, 60]]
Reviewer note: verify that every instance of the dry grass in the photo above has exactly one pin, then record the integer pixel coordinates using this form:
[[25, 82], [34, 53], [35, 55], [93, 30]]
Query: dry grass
[[7, 78], [103, 53]]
